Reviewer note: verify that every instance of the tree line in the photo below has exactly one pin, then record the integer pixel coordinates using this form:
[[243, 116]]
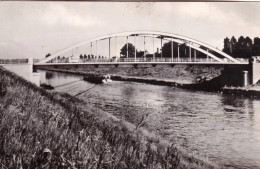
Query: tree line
[[242, 48]]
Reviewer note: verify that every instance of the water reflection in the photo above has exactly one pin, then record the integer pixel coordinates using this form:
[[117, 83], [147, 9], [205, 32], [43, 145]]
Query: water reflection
[[226, 128], [238, 107], [49, 75]]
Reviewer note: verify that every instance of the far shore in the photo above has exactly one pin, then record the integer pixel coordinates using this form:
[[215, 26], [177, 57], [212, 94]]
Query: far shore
[[210, 83]]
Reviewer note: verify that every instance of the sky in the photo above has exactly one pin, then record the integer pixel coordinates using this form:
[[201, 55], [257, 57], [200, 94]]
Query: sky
[[33, 29]]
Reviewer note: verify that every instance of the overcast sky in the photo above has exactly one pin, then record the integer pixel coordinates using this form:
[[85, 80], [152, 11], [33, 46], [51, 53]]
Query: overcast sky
[[32, 29]]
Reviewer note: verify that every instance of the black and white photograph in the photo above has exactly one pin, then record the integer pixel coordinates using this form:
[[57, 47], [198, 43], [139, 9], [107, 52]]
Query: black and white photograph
[[129, 85]]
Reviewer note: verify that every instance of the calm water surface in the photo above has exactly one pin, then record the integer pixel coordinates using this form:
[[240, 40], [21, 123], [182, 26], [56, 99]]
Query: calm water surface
[[224, 128]]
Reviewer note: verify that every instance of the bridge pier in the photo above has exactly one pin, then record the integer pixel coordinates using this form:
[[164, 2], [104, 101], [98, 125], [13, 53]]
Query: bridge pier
[[242, 75], [245, 78], [234, 75], [254, 70]]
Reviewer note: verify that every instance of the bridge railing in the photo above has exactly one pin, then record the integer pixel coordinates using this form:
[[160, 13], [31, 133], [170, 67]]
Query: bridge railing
[[143, 60], [243, 60], [14, 61]]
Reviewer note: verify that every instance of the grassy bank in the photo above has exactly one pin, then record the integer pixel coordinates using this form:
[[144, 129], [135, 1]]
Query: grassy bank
[[39, 129]]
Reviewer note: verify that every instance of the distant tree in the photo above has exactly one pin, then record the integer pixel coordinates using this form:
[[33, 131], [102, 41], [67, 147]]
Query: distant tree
[[140, 54], [58, 57], [249, 42], [244, 47], [241, 48], [81, 56], [256, 47], [256, 41], [233, 45], [131, 50], [85, 56], [226, 48], [167, 50], [241, 43]]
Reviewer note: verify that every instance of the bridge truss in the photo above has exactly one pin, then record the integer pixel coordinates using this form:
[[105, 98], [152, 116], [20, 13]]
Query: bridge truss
[[92, 48]]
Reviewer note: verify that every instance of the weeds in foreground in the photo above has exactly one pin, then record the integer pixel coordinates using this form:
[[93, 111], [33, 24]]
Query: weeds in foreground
[[39, 129], [3, 87]]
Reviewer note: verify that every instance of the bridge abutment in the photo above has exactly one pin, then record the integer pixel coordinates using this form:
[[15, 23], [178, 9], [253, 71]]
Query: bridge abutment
[[234, 75], [254, 70], [23, 69], [242, 75]]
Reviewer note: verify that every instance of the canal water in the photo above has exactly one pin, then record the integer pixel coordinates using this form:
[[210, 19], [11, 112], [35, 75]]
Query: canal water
[[224, 128]]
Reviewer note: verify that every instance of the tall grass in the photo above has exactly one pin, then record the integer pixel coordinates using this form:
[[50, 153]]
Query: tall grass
[[39, 129]]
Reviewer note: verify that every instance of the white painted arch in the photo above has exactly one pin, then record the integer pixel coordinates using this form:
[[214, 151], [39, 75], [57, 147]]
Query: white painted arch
[[174, 37]]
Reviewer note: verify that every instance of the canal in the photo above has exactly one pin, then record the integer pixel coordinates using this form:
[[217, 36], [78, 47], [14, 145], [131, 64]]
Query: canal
[[223, 128]]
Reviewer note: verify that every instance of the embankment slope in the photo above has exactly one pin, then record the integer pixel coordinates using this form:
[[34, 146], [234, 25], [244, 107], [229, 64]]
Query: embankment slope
[[39, 129]]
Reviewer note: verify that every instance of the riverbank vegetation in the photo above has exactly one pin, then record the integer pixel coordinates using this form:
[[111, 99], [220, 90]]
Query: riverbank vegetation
[[39, 129], [181, 74]]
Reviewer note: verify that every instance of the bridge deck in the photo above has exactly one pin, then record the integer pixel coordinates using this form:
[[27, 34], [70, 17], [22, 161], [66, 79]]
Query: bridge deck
[[143, 63]]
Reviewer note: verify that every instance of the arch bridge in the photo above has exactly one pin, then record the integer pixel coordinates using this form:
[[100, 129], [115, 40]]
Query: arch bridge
[[105, 50]]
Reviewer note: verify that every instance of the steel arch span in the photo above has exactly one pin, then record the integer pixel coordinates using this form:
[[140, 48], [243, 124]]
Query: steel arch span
[[179, 39]]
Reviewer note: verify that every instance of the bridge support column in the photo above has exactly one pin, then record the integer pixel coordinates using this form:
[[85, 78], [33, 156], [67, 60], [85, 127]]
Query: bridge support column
[[144, 50], [161, 48], [91, 50], [195, 55], [96, 52], [153, 50], [75, 54], [172, 49], [127, 47], [115, 49], [135, 47], [109, 48], [207, 55], [245, 78], [190, 52], [178, 52]]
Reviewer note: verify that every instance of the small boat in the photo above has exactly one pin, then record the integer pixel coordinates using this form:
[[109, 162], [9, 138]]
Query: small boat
[[98, 79], [93, 79], [106, 79], [46, 86]]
